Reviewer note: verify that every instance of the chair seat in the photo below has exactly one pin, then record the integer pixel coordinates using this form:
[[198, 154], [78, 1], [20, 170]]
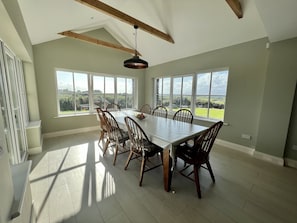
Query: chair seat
[[188, 154], [151, 149]]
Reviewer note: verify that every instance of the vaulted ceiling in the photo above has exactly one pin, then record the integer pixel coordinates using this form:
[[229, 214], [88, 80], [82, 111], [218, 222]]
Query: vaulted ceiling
[[196, 26]]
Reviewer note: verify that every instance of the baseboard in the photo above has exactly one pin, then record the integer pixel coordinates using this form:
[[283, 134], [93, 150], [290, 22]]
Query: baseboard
[[70, 132], [291, 163], [272, 159], [235, 146], [35, 150], [251, 151]]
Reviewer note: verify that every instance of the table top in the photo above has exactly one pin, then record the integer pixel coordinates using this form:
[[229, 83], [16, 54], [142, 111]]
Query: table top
[[162, 131]]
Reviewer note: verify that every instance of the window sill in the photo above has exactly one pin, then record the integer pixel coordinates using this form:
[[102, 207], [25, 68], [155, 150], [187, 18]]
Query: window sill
[[76, 115]]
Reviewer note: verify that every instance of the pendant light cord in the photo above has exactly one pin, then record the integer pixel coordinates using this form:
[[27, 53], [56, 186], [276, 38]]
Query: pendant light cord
[[136, 27]]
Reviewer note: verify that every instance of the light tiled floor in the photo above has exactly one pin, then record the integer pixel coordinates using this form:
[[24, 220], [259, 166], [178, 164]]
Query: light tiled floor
[[72, 182]]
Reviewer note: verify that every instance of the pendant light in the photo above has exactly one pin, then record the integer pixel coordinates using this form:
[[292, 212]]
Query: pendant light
[[135, 62]]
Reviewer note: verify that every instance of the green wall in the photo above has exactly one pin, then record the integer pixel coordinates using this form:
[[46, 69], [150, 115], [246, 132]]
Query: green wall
[[67, 53], [247, 64], [278, 98], [292, 133]]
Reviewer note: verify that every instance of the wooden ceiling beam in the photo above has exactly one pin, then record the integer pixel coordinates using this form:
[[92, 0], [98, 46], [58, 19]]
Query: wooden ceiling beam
[[98, 5], [236, 7], [97, 41]]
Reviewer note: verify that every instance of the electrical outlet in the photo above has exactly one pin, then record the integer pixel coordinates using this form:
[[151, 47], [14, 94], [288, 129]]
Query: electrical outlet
[[246, 136], [294, 147]]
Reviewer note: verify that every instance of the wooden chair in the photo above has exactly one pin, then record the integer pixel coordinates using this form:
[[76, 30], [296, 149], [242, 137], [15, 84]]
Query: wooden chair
[[113, 107], [141, 146], [160, 111], [183, 115], [146, 108], [198, 155], [114, 134], [103, 130]]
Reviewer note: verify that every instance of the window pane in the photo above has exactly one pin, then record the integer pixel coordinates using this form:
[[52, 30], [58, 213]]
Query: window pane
[[130, 101], [186, 102], [203, 84], [187, 85], [130, 86], [201, 106], [176, 102], [219, 83], [81, 92], [166, 86], [177, 85], [109, 89], [121, 85], [65, 92], [217, 107], [98, 91]]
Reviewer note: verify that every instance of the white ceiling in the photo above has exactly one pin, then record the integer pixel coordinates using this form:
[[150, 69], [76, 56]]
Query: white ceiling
[[197, 26]]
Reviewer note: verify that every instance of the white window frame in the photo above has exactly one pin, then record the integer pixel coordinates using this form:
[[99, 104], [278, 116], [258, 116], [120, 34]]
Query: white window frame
[[193, 96], [92, 106]]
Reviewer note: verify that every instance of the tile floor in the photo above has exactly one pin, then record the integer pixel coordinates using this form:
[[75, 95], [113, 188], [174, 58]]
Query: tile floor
[[72, 182]]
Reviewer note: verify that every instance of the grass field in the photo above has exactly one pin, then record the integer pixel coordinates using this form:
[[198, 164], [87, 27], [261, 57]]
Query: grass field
[[214, 113]]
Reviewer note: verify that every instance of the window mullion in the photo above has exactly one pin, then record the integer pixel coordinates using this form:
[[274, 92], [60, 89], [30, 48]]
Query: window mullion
[[74, 90], [91, 92], [209, 95]]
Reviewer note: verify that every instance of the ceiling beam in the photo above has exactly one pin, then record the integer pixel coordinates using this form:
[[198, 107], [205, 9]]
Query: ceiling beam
[[236, 7], [98, 5], [97, 41]]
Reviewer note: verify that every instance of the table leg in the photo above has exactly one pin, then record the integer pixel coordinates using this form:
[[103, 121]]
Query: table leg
[[167, 169]]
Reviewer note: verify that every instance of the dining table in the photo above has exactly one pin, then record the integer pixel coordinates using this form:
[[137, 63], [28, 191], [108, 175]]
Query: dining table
[[164, 132]]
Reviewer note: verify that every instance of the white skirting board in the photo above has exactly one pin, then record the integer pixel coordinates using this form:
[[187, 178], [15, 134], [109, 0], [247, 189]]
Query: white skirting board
[[70, 132], [251, 151], [291, 163]]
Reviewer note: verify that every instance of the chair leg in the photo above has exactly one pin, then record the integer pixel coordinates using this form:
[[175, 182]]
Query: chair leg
[[128, 160], [142, 170], [210, 171], [115, 154], [105, 146], [196, 168]]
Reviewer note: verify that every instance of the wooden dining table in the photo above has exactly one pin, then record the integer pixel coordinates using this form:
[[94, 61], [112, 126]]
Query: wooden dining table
[[164, 132]]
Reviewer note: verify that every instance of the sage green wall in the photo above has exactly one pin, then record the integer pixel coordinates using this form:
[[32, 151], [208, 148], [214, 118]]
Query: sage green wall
[[292, 134], [247, 67], [73, 54], [23, 49], [278, 98]]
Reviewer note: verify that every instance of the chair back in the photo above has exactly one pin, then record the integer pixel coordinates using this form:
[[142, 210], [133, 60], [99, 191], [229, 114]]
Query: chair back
[[160, 111], [113, 107], [204, 142], [102, 120], [137, 136], [146, 108], [183, 115], [114, 132]]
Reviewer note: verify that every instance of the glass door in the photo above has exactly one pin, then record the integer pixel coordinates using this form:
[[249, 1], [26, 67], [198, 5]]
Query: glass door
[[15, 132]]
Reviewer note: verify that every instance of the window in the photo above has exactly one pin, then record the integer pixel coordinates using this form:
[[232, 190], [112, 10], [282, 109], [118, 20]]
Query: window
[[202, 93], [211, 94], [125, 92], [79, 93], [182, 92], [73, 93], [163, 91]]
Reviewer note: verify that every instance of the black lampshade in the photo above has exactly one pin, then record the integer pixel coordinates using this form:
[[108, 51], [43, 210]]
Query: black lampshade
[[135, 63]]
